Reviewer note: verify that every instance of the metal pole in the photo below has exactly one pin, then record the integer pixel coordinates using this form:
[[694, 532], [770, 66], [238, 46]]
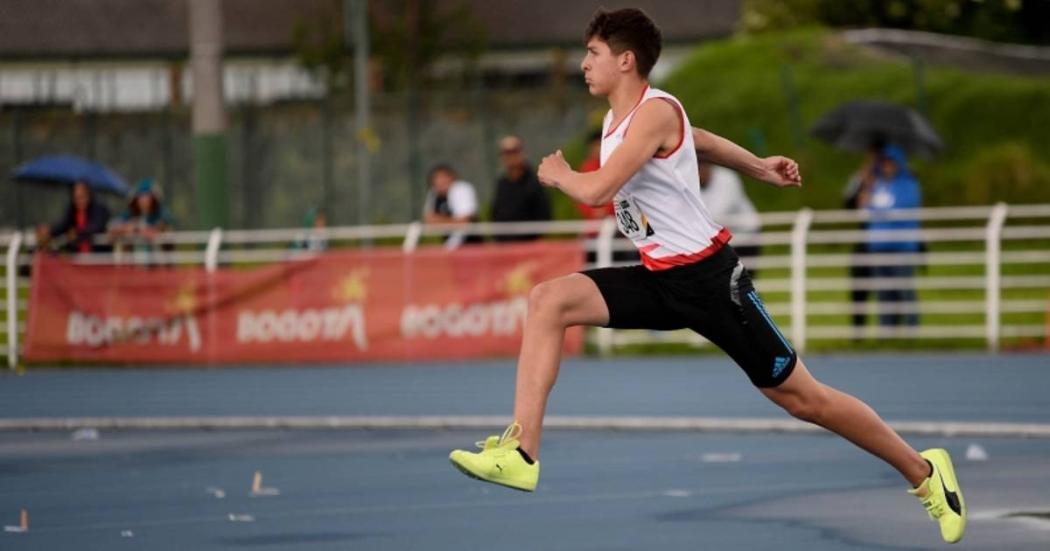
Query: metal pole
[[920, 84], [209, 113], [603, 258], [787, 80], [799, 232], [992, 274], [356, 14], [13, 249], [412, 234], [211, 252], [328, 195]]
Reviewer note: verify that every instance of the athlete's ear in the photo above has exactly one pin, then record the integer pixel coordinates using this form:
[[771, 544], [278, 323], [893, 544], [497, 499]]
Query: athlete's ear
[[627, 61]]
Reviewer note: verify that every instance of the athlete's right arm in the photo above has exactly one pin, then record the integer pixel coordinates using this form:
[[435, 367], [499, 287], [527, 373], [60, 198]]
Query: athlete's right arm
[[655, 126]]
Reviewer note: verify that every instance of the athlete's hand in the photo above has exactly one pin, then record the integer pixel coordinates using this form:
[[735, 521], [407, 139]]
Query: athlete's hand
[[781, 172], [553, 169]]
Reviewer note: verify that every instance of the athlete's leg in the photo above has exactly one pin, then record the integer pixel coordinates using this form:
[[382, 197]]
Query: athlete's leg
[[553, 306], [810, 400]]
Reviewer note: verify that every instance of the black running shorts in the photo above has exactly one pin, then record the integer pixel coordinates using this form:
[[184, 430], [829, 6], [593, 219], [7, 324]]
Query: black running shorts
[[713, 297]]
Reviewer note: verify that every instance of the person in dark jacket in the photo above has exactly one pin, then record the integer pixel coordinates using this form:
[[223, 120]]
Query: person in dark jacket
[[519, 195], [84, 219]]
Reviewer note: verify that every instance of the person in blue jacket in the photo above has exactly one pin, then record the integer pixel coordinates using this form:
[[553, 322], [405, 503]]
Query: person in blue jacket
[[145, 219], [891, 186]]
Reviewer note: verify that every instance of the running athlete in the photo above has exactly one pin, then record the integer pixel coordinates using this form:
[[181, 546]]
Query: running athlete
[[689, 276]]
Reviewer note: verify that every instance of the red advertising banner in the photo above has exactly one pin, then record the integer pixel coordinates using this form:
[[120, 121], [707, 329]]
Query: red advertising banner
[[336, 307]]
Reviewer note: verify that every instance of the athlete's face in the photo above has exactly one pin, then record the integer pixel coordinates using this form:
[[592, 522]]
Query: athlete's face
[[601, 67]]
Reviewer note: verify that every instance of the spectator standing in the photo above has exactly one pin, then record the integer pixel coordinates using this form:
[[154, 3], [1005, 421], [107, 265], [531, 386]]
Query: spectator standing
[[893, 187], [451, 201], [728, 204], [84, 219], [519, 195]]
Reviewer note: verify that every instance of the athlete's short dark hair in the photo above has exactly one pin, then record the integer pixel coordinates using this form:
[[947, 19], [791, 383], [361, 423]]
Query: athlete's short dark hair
[[628, 29]]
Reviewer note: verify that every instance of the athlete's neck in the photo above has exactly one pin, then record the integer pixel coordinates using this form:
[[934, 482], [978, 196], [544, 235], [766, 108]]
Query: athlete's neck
[[624, 97]]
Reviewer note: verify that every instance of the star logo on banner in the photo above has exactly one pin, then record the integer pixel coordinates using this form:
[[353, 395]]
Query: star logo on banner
[[352, 288], [185, 300], [519, 281]]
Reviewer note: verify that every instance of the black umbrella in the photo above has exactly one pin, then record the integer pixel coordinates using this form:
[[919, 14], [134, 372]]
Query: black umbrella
[[856, 125]]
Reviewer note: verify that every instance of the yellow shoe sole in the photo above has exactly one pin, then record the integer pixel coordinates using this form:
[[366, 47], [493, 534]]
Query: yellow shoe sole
[[465, 470]]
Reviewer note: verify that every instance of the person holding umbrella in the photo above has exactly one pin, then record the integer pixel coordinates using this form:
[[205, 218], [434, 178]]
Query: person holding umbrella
[[890, 186], [84, 219], [86, 216], [883, 183]]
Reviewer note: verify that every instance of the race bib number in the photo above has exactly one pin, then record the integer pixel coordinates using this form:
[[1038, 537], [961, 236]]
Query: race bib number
[[630, 219]]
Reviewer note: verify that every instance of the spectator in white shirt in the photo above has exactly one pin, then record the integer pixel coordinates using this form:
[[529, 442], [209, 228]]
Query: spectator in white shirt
[[451, 201], [728, 204]]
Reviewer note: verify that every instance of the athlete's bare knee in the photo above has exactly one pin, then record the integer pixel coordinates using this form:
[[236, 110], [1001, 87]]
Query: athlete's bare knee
[[546, 301]]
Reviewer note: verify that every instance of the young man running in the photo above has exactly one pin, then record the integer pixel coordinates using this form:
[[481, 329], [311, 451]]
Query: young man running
[[689, 277]]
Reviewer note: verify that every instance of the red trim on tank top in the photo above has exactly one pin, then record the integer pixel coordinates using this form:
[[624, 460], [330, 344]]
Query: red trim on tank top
[[681, 126], [665, 263], [636, 104]]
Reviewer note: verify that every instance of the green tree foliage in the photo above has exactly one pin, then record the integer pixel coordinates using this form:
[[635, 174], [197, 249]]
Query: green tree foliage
[[407, 37], [1021, 21], [994, 125]]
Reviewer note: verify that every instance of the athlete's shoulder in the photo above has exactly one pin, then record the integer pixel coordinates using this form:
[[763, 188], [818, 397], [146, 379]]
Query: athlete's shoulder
[[657, 111]]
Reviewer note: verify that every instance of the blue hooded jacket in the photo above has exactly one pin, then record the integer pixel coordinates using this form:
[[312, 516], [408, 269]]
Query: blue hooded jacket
[[899, 192]]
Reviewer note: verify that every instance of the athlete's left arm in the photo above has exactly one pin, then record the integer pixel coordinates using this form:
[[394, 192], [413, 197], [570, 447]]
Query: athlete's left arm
[[654, 125], [778, 171]]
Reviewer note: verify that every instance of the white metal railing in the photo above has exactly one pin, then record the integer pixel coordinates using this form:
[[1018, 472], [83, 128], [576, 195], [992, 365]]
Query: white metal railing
[[11, 283], [803, 269]]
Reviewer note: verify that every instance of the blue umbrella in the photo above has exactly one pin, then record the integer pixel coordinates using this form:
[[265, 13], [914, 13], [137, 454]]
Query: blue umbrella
[[69, 169]]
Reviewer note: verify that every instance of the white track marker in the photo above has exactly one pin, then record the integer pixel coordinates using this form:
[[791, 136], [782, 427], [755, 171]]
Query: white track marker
[[258, 490], [87, 433], [217, 493], [23, 524], [240, 518], [721, 457], [127, 534], [976, 452]]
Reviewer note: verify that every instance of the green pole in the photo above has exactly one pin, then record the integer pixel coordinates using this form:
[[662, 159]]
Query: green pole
[[209, 155], [920, 84], [788, 82]]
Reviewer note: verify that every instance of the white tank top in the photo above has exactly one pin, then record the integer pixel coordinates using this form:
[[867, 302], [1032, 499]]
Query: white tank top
[[659, 209]]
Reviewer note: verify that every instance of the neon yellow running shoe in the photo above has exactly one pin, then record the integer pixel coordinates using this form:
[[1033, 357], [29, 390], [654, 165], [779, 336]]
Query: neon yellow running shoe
[[499, 462], [488, 443], [943, 498]]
